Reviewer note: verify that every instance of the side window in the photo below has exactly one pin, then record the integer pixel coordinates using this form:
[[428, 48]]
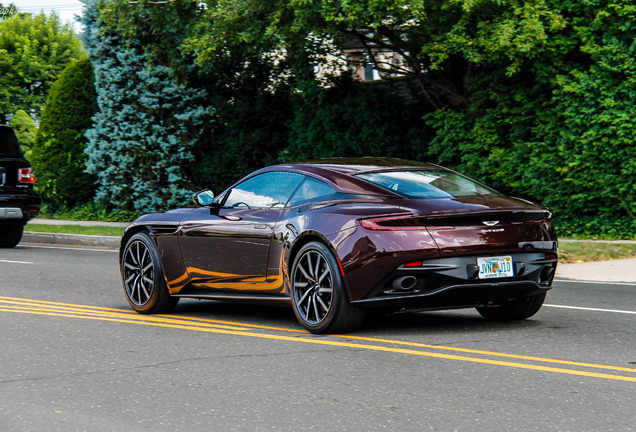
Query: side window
[[311, 190], [268, 190]]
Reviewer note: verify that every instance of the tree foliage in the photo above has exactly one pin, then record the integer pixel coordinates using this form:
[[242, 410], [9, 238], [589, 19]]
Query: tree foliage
[[533, 96], [25, 129], [159, 28], [34, 49], [438, 43], [249, 133], [58, 154], [247, 113], [561, 132], [146, 126], [354, 119]]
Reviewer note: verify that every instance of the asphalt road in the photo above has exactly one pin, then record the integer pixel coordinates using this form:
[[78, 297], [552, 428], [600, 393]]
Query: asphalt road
[[74, 357]]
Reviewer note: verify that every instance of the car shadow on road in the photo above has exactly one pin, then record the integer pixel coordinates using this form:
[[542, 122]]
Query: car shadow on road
[[249, 313], [462, 320]]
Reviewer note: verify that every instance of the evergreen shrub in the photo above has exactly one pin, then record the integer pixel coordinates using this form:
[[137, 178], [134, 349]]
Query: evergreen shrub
[[144, 131], [25, 129], [58, 155]]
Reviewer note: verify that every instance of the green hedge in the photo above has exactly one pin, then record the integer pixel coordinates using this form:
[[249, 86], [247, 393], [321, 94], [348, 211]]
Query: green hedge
[[563, 131]]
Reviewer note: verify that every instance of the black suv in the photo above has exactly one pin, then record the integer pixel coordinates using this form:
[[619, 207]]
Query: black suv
[[18, 201]]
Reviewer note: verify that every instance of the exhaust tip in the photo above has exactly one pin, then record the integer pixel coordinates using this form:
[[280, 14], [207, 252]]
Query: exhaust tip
[[546, 274], [404, 283]]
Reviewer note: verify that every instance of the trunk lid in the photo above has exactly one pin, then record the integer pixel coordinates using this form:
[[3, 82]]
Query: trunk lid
[[485, 226]]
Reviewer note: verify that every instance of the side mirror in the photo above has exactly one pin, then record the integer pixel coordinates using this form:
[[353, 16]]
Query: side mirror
[[204, 198]]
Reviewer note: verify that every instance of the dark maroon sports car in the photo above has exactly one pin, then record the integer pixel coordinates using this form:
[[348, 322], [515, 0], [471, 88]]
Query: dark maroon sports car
[[338, 237]]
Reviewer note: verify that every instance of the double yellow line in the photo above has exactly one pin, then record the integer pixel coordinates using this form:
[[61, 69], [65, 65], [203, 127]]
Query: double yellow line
[[67, 310]]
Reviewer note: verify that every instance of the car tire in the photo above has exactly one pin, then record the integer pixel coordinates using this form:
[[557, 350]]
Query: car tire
[[318, 293], [142, 275], [514, 310], [10, 234]]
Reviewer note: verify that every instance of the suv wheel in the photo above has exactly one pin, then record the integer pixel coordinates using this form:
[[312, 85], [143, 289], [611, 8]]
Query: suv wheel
[[10, 234]]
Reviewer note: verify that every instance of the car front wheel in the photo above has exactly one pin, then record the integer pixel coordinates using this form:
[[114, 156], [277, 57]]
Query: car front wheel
[[144, 283], [319, 297]]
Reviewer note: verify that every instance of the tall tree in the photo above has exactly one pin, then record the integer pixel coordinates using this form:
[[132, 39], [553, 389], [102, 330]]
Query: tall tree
[[438, 43], [58, 154], [252, 104], [145, 128], [33, 52]]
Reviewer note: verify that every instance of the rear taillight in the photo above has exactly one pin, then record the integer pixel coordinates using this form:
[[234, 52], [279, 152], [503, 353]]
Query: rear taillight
[[404, 222], [545, 217], [25, 175]]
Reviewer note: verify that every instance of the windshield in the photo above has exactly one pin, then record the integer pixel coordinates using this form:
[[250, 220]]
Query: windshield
[[9, 146], [427, 184]]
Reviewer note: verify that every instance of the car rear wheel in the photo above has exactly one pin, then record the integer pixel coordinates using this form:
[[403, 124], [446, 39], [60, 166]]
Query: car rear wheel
[[144, 283], [10, 234], [518, 309], [319, 297]]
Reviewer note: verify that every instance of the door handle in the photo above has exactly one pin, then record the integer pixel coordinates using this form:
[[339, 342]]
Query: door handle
[[261, 226]]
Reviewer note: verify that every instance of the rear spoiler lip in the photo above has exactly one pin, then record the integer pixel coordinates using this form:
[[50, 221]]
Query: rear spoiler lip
[[450, 220]]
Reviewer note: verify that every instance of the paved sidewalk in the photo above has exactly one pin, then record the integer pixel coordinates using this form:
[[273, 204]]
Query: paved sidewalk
[[621, 270]]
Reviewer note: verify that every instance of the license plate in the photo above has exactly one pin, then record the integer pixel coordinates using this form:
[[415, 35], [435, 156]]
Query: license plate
[[495, 267]]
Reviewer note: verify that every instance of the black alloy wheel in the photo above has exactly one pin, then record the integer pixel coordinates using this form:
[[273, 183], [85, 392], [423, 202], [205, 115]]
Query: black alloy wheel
[[143, 279], [319, 297]]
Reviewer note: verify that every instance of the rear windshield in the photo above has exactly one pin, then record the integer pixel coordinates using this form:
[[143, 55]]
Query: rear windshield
[[9, 146], [427, 184]]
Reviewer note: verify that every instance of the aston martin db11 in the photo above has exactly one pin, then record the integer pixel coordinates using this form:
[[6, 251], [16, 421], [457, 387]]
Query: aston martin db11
[[336, 238]]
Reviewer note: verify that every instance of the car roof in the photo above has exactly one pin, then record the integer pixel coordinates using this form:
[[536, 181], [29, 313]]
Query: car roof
[[341, 171], [359, 165], [353, 166]]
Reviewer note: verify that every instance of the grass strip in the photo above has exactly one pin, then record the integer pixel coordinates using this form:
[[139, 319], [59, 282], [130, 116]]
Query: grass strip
[[76, 229], [573, 252]]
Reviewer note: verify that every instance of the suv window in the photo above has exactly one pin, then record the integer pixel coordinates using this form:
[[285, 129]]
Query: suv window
[[271, 189], [9, 146]]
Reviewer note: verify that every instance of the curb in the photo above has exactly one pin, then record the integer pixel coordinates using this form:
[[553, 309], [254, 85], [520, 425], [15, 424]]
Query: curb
[[38, 221], [72, 239]]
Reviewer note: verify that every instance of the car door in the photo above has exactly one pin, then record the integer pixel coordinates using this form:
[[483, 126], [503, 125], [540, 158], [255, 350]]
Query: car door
[[227, 248]]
